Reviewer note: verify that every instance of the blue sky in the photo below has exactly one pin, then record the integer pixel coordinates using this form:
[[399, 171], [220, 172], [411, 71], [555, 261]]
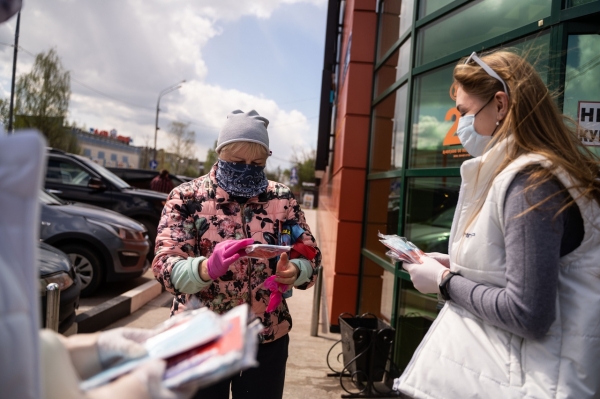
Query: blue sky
[[262, 54]]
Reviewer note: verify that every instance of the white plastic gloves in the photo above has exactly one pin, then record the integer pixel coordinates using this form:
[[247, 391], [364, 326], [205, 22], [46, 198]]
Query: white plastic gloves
[[146, 381], [121, 344], [427, 276]]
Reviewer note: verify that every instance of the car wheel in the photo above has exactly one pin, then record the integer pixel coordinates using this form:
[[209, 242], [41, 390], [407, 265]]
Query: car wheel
[[87, 266]]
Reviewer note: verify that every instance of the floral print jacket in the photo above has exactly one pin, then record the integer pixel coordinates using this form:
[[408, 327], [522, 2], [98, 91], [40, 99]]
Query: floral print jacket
[[198, 215]]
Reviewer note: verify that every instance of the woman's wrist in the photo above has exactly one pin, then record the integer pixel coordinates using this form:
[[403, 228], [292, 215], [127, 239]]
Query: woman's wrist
[[203, 270]]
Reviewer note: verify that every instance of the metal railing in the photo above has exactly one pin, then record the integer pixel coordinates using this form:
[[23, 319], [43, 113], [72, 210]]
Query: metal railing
[[52, 306]]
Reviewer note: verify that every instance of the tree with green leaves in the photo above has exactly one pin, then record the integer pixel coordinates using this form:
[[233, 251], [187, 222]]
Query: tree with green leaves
[[211, 158], [42, 101], [304, 160]]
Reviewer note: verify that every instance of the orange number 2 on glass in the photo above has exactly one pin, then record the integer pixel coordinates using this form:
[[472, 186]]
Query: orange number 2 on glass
[[451, 137]]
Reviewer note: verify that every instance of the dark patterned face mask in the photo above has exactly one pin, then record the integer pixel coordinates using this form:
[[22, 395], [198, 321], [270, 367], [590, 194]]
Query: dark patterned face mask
[[241, 180]]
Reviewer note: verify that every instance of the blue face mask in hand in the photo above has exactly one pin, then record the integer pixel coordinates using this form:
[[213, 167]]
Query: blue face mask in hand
[[474, 143], [241, 180]]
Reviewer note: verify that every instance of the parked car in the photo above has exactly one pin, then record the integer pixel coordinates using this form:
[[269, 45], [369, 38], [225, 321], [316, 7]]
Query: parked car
[[55, 267], [76, 178], [433, 235], [141, 178], [103, 246]]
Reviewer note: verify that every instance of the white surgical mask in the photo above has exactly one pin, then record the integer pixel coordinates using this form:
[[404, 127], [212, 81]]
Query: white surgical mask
[[473, 142]]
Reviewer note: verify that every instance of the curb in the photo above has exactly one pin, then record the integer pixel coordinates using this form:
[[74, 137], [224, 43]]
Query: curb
[[116, 308]]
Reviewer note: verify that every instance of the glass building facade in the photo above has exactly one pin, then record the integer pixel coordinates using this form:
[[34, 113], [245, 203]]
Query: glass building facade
[[414, 156]]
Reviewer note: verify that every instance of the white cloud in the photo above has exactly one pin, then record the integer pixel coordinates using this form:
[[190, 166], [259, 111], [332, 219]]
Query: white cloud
[[131, 49]]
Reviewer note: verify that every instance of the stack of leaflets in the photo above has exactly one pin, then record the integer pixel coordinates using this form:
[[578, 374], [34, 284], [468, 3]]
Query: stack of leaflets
[[401, 250], [199, 346]]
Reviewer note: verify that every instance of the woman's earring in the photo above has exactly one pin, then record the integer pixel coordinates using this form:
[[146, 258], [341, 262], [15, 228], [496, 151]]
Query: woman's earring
[[497, 123]]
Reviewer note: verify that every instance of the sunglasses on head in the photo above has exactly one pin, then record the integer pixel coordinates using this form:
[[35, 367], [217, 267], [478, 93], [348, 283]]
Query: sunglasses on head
[[490, 71]]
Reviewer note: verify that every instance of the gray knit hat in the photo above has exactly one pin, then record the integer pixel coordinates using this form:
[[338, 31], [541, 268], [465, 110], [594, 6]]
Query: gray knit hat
[[244, 126]]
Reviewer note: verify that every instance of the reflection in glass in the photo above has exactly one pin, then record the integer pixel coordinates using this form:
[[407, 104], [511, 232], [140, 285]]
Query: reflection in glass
[[430, 206], [426, 7], [387, 134], [371, 288], [383, 211], [583, 72], [581, 84], [575, 3], [474, 23], [393, 69], [433, 140], [406, 16], [399, 127], [395, 19], [415, 315], [386, 74], [389, 26], [387, 295]]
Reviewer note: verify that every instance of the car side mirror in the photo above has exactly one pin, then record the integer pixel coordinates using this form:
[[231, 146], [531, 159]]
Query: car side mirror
[[96, 183]]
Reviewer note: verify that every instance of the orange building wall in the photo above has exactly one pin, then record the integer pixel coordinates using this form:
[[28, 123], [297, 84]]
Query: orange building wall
[[342, 190]]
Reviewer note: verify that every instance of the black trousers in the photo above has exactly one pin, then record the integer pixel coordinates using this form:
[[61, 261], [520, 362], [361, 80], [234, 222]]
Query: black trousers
[[263, 382]]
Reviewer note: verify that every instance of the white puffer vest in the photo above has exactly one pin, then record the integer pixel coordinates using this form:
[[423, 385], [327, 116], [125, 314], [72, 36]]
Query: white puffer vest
[[462, 356]]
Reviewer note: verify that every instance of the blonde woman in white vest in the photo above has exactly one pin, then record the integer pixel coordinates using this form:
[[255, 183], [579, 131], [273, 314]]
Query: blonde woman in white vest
[[522, 278]]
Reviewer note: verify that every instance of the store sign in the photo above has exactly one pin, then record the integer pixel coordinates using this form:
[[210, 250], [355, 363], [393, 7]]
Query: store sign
[[451, 137], [588, 116]]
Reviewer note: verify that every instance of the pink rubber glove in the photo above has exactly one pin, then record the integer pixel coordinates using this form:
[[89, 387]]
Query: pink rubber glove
[[277, 290], [426, 277], [224, 254]]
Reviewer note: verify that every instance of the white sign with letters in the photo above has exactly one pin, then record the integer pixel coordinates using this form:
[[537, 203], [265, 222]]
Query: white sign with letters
[[588, 117]]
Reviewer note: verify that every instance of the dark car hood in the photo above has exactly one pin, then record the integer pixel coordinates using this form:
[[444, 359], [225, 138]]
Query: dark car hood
[[101, 214], [147, 194], [51, 260]]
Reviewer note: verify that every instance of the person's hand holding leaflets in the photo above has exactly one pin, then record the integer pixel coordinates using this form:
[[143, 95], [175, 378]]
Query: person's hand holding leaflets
[[426, 270], [224, 254]]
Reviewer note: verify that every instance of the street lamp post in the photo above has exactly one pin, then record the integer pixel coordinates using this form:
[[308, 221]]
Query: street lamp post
[[162, 93]]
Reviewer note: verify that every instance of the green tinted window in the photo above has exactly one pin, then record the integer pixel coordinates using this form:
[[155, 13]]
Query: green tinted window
[[406, 16], [426, 7], [582, 97], [383, 210], [377, 287], [387, 134], [476, 22], [575, 3], [395, 20], [394, 68], [430, 206], [433, 143]]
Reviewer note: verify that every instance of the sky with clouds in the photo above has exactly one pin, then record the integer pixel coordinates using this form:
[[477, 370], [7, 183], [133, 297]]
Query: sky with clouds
[[234, 54]]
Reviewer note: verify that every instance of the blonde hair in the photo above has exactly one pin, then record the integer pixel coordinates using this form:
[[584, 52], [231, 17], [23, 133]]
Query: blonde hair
[[535, 124], [254, 150]]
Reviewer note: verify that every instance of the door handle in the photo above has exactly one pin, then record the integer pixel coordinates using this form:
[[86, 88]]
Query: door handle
[[54, 191]]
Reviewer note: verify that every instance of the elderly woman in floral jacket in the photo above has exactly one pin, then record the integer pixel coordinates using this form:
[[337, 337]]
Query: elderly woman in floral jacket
[[206, 225]]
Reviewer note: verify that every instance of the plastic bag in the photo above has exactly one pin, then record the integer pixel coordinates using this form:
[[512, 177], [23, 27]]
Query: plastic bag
[[265, 251], [401, 250]]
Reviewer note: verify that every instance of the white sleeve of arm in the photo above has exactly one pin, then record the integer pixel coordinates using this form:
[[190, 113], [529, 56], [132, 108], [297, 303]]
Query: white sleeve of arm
[[186, 278]]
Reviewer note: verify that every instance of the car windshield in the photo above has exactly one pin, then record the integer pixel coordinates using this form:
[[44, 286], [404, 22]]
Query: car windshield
[[107, 174], [49, 199]]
